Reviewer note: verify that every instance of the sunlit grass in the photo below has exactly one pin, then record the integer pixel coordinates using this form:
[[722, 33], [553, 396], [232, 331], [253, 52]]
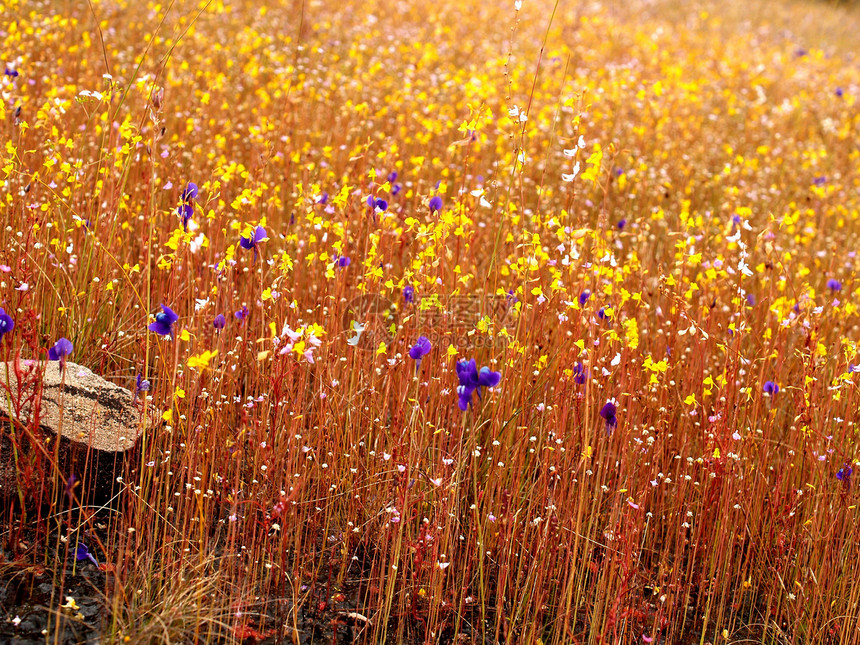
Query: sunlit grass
[[637, 203]]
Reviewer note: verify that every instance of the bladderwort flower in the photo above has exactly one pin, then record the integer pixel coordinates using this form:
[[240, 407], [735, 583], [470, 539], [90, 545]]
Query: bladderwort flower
[[580, 376], [419, 350], [342, 261], [435, 204], [608, 412], [6, 323], [83, 553], [834, 284], [242, 313], [141, 385], [164, 321], [472, 379], [844, 473], [408, 294], [583, 297], [770, 388], [186, 204], [377, 206], [253, 239], [60, 350], [220, 322]]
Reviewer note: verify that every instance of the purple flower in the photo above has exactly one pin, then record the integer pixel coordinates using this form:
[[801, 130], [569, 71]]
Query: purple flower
[[834, 285], [377, 204], [257, 235], [323, 198], [840, 92], [580, 376], [419, 350], [472, 379], [6, 323], [621, 224], [242, 313], [392, 176], [601, 313], [186, 205], [583, 297], [163, 325], [141, 385], [408, 294], [608, 412], [342, 261], [770, 388], [189, 193], [395, 189], [844, 473], [435, 204], [83, 553], [751, 299], [60, 350], [11, 72], [220, 322]]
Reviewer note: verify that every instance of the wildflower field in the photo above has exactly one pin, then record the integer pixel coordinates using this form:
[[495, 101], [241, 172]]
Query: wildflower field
[[448, 322]]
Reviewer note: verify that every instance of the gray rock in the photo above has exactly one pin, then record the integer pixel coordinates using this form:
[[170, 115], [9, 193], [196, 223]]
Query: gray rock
[[97, 422]]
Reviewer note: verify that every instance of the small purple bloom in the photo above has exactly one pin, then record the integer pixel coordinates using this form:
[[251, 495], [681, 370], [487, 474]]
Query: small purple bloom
[[83, 553], [621, 224], [186, 205], [220, 322], [770, 388], [6, 323], [242, 313], [323, 198], [342, 261], [164, 321], [751, 299], [472, 379], [141, 385], [11, 72], [419, 350], [844, 473], [580, 376], [395, 189], [377, 204], [189, 193], [608, 412], [583, 297], [408, 294], [839, 92], [392, 176], [60, 350], [834, 285], [435, 204], [601, 313], [185, 212], [257, 235]]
